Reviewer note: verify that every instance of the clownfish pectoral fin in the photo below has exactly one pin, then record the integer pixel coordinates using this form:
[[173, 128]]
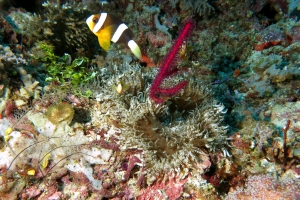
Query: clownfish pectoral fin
[[104, 37], [104, 43], [135, 49]]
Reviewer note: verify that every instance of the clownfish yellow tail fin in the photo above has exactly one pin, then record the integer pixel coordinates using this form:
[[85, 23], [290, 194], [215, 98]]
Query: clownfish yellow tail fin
[[135, 49]]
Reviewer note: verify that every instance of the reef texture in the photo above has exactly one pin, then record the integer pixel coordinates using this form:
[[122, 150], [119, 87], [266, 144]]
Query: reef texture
[[78, 122], [161, 143]]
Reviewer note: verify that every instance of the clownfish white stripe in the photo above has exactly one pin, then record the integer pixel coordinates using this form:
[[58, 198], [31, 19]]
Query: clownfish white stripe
[[135, 49], [100, 22], [118, 33]]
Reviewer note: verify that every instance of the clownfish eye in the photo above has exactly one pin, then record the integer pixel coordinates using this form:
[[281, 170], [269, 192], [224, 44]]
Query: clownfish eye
[[95, 20]]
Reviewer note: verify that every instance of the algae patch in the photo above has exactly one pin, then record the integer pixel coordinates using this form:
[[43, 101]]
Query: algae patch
[[60, 113]]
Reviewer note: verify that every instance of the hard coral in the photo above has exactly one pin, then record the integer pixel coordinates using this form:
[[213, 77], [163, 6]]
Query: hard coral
[[63, 26], [67, 24]]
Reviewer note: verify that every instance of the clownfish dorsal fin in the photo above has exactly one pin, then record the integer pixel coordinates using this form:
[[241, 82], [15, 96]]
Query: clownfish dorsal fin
[[104, 36]]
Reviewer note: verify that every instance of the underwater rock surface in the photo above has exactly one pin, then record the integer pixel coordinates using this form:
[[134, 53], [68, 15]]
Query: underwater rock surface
[[77, 121]]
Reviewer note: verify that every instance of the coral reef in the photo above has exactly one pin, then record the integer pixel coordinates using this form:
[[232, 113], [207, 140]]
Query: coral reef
[[7, 56], [200, 6], [12, 74], [39, 154], [63, 26], [77, 122], [134, 127], [262, 186]]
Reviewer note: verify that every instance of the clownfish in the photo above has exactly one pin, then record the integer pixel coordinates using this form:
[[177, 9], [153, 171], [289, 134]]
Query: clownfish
[[108, 28]]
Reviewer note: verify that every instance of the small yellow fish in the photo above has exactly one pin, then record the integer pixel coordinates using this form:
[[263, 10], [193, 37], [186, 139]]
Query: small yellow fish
[[108, 28]]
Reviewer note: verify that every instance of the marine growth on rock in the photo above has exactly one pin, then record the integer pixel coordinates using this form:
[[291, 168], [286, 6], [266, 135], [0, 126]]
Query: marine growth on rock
[[62, 112]]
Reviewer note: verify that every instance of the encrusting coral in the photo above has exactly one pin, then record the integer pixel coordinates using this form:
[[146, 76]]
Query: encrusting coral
[[262, 186], [62, 112]]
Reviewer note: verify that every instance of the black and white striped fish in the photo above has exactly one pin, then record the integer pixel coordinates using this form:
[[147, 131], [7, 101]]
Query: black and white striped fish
[[108, 28]]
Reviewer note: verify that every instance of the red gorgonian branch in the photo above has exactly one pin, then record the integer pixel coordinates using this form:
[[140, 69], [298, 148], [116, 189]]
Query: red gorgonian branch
[[169, 68]]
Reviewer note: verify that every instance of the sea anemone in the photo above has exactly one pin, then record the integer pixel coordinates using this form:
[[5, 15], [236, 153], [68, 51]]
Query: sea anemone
[[171, 142], [172, 135]]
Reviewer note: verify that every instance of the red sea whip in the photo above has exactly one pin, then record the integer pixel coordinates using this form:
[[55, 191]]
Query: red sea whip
[[169, 68]]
